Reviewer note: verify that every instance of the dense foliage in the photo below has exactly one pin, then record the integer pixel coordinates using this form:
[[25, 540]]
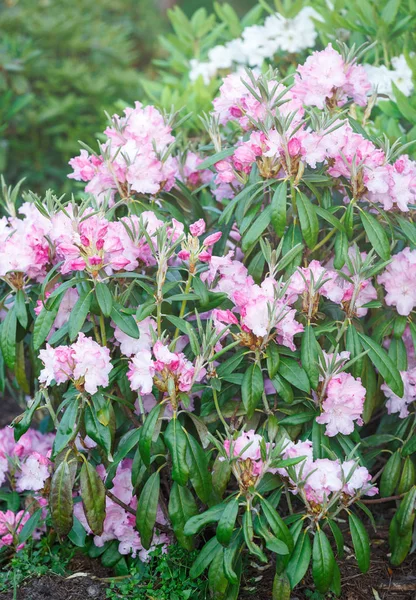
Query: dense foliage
[[219, 334]]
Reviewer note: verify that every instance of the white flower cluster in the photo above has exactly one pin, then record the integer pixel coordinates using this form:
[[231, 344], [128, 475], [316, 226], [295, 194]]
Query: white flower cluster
[[382, 77], [258, 43]]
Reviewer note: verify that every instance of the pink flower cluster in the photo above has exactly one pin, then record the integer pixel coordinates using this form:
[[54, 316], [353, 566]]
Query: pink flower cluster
[[119, 524], [319, 479], [85, 362], [11, 524], [25, 464], [394, 403], [196, 250], [399, 281], [23, 245], [144, 371], [343, 404], [134, 157], [261, 308], [326, 79], [247, 448]]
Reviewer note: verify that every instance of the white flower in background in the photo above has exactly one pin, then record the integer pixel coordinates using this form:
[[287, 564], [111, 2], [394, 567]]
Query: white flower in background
[[382, 77], [259, 43]]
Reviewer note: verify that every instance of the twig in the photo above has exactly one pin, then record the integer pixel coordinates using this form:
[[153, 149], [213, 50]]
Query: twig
[[131, 510], [381, 500]]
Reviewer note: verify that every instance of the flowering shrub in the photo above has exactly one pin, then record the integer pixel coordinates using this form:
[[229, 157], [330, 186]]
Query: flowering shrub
[[223, 338]]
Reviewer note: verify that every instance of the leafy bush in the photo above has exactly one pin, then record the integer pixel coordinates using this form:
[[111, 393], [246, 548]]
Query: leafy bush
[[64, 63], [220, 333]]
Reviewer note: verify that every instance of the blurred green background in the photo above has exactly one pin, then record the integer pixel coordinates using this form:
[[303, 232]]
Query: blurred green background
[[62, 64]]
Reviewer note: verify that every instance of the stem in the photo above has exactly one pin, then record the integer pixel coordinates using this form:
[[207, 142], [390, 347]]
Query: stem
[[96, 332], [102, 330], [183, 306], [381, 500], [293, 197], [50, 408], [217, 407]]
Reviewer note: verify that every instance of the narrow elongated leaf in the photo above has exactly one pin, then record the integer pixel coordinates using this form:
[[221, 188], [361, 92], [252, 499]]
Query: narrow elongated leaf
[[205, 557], [43, 325], [309, 356], [199, 475], [384, 364], [198, 522], [256, 229], [376, 234], [147, 509], [104, 298], [66, 428], [21, 311], [30, 526], [226, 524], [98, 432], [93, 497], [252, 389], [124, 321], [323, 562], [8, 338], [300, 559], [290, 370], [148, 430], [218, 583], [273, 360], [405, 516], [78, 315], [230, 557], [281, 587], [60, 499], [279, 204], [248, 532], [182, 507], [176, 441], [308, 219], [278, 526], [361, 542]]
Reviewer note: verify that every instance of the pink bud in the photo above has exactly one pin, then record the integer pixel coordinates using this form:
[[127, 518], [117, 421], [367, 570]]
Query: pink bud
[[212, 239], [294, 147], [95, 260], [100, 244], [184, 254], [205, 256], [197, 228], [85, 241]]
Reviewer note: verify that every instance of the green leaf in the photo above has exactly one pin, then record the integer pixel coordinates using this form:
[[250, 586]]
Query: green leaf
[[96, 430], [226, 524], [231, 554], [182, 507], [300, 559], [78, 315], [148, 431], [77, 535], [211, 160], [329, 217], [404, 105], [249, 537], [376, 234], [198, 522], [273, 359], [309, 355], [30, 526], [308, 219], [66, 429], [252, 389], [389, 12], [279, 206], [360, 541], [104, 298], [8, 338], [147, 509], [338, 537], [281, 587], [124, 321], [341, 249], [176, 441], [277, 525], [323, 562], [43, 325], [218, 583], [205, 557], [93, 497], [199, 473], [406, 513], [290, 370], [21, 311], [60, 499], [22, 424], [384, 364], [283, 389], [256, 229]]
